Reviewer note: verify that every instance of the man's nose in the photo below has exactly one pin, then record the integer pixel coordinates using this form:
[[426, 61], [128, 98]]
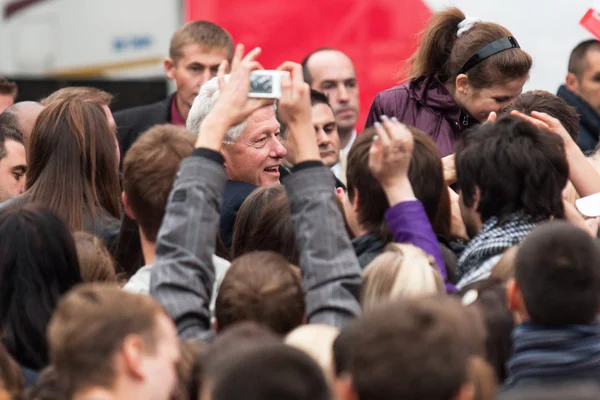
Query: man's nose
[[342, 93], [278, 150], [206, 76], [22, 186]]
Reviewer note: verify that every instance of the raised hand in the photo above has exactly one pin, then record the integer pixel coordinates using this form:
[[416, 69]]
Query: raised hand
[[545, 121], [449, 165], [233, 105], [295, 111], [389, 159]]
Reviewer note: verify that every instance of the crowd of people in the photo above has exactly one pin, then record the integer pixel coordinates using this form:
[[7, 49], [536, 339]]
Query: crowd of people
[[220, 246]]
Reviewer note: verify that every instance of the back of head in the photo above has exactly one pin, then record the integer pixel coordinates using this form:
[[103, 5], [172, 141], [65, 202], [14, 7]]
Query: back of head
[[38, 264], [578, 56], [316, 341], [25, 114], [262, 287], [428, 339], [149, 170], [239, 337], [557, 270], [401, 270], [489, 296], [264, 223], [202, 33], [72, 138], [546, 102], [425, 174], [272, 371], [95, 261], [88, 330], [516, 167], [442, 52], [81, 93]]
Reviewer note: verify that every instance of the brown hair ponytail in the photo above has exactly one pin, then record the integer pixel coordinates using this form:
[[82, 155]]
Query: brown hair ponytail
[[436, 45], [442, 53]]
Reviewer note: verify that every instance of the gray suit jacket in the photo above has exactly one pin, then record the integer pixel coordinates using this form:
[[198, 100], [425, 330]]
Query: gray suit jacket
[[183, 273]]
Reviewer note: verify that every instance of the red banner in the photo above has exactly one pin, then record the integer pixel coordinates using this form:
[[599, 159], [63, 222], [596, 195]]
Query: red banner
[[377, 34]]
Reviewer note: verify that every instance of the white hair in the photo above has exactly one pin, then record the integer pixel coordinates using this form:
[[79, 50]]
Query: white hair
[[203, 105]]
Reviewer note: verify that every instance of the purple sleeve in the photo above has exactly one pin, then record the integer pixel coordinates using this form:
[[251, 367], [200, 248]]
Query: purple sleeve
[[409, 224]]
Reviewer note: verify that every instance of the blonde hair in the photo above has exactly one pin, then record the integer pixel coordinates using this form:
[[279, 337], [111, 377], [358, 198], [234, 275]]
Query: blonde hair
[[316, 340], [401, 270]]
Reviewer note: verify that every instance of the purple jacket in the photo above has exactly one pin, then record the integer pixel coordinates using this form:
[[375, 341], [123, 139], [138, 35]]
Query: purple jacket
[[426, 104], [409, 224]]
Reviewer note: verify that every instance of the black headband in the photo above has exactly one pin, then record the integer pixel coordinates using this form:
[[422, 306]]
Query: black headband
[[497, 46]]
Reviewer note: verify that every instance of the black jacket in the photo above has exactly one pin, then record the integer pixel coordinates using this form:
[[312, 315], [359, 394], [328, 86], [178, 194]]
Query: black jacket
[[132, 122], [589, 120]]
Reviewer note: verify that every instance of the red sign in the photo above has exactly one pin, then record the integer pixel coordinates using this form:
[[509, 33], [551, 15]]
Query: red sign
[[378, 35], [591, 22]]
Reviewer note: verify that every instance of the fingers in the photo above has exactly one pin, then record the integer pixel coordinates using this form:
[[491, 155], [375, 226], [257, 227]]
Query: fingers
[[294, 69], [237, 57], [376, 154], [221, 74], [547, 119], [382, 133], [492, 117], [531, 120], [251, 56]]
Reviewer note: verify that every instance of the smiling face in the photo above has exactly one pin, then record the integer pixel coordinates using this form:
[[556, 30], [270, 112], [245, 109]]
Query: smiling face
[[479, 103], [256, 155]]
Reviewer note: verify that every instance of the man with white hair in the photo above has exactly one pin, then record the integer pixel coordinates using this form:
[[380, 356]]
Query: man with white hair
[[253, 150]]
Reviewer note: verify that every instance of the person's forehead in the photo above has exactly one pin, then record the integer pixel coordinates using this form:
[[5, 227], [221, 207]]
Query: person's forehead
[[262, 120], [322, 113], [196, 53], [330, 65], [511, 88], [14, 151]]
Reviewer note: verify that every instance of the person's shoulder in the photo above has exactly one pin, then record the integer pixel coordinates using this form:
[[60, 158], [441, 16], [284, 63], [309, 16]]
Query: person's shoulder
[[394, 92], [236, 191], [141, 114]]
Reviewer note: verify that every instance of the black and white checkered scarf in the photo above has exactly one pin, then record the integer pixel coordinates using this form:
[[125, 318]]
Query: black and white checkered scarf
[[493, 239]]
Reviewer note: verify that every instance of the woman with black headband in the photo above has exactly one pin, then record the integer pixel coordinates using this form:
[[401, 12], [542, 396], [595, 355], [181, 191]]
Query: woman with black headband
[[463, 70]]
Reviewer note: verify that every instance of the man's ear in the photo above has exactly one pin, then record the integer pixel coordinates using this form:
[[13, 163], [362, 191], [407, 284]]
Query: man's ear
[[572, 82], [132, 352], [169, 65], [216, 325], [344, 389], [466, 392], [513, 296], [128, 210]]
